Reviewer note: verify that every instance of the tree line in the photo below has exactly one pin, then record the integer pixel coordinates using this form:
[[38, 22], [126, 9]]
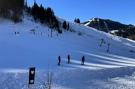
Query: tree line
[[47, 16], [11, 9], [44, 16]]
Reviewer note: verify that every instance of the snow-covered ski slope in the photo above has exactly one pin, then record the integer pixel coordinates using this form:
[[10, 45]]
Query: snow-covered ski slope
[[21, 48]]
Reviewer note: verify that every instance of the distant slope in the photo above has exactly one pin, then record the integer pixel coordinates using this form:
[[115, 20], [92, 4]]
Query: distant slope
[[107, 25], [29, 43], [19, 43]]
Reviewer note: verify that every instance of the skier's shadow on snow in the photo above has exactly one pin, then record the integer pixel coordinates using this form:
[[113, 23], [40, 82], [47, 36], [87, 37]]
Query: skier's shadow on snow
[[77, 64]]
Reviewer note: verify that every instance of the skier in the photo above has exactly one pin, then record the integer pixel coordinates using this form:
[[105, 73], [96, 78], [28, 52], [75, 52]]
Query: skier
[[108, 48], [15, 33], [102, 42], [83, 60], [59, 60], [68, 59]]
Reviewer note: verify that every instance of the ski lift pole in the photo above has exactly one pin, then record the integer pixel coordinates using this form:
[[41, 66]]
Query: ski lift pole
[[108, 49], [48, 84], [106, 26], [100, 32], [98, 24], [49, 80], [51, 32]]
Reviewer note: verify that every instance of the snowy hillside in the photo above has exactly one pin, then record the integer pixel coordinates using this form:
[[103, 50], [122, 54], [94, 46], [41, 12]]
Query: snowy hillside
[[27, 44]]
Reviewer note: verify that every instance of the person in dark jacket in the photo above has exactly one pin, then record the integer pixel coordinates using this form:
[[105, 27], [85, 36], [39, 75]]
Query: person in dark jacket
[[68, 59], [83, 60], [59, 60]]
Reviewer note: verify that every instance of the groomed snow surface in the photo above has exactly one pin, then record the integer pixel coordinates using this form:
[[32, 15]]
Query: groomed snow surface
[[29, 44]]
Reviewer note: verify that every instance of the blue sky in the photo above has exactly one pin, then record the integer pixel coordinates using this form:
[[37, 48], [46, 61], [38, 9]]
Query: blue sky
[[118, 10]]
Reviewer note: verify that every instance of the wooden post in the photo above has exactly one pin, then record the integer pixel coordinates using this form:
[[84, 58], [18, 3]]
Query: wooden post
[[49, 80]]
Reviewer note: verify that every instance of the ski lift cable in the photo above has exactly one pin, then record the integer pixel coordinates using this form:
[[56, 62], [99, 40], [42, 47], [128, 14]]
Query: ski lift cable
[[106, 26], [102, 35]]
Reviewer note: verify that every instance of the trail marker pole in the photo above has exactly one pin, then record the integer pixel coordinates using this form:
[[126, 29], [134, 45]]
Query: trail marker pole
[[31, 76]]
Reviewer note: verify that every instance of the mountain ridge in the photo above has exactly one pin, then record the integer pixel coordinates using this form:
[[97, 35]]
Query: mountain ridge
[[108, 25]]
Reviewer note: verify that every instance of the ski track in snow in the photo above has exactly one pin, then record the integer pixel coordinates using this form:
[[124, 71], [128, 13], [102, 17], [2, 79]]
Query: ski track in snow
[[102, 70]]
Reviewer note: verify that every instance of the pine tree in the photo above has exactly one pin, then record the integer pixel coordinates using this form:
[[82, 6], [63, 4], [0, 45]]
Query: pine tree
[[27, 8], [41, 13], [78, 20], [64, 25], [35, 10], [49, 15], [14, 6], [75, 20], [45, 16]]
